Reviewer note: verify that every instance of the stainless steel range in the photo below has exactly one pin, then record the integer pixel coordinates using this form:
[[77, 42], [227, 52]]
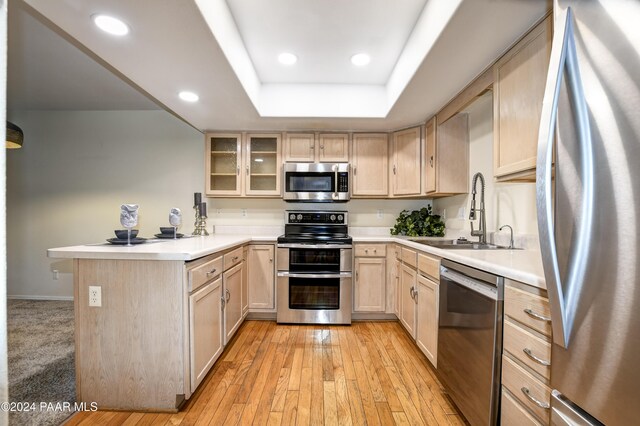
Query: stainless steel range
[[314, 263]]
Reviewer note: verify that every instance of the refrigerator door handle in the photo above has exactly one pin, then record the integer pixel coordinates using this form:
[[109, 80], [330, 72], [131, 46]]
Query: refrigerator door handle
[[564, 298]]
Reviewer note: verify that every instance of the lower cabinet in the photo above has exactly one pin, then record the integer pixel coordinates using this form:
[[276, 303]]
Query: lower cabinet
[[370, 278], [232, 281], [261, 277], [427, 327], [408, 301], [245, 281], [205, 329]]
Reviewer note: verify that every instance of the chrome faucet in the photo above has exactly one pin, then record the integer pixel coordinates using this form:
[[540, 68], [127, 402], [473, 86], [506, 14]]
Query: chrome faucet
[[482, 230], [510, 229]]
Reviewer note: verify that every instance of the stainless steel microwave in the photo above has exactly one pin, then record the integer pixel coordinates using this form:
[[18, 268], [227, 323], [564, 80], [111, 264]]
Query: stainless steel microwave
[[316, 182]]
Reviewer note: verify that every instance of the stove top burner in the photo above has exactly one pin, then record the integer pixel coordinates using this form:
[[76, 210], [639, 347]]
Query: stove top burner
[[321, 227]]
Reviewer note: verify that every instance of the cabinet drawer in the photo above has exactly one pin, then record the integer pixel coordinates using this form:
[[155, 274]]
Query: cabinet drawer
[[370, 250], [529, 309], [205, 272], [233, 258], [526, 388], [527, 347], [430, 266], [410, 257], [513, 414]]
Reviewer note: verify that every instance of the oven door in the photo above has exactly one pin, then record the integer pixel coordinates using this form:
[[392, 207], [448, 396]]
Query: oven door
[[323, 298], [316, 182], [314, 258]]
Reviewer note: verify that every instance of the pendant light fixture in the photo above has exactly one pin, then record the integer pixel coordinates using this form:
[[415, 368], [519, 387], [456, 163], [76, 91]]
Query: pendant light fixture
[[14, 136]]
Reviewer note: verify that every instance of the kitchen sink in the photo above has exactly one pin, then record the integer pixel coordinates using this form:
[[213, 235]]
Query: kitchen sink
[[459, 244]]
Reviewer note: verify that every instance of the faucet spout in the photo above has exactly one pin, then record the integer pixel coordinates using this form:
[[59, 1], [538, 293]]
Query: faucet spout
[[482, 230]]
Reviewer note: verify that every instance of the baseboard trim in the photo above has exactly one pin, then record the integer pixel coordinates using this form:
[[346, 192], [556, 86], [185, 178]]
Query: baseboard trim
[[25, 297], [263, 316], [365, 316]]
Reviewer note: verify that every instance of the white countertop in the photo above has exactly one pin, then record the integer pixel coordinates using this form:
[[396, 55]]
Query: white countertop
[[520, 265]]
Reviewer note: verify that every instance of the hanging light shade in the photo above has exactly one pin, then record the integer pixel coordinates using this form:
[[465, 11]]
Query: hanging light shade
[[14, 136]]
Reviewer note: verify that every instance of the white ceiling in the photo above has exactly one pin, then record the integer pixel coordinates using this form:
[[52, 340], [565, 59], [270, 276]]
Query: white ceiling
[[171, 48], [324, 35], [46, 72]]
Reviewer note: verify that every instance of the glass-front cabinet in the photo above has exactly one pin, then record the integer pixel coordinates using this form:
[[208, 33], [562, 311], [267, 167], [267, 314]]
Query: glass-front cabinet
[[262, 167], [224, 152], [243, 164]]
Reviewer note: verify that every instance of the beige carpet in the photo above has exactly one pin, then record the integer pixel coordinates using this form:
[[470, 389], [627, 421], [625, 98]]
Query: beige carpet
[[41, 360]]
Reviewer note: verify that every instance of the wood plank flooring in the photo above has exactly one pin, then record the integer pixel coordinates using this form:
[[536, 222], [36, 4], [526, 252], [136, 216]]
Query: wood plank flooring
[[368, 373]]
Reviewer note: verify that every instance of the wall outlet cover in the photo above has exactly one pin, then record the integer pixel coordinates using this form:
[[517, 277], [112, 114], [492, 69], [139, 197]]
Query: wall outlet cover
[[95, 296]]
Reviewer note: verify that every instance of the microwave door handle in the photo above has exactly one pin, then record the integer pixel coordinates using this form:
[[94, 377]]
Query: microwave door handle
[[564, 299], [335, 182]]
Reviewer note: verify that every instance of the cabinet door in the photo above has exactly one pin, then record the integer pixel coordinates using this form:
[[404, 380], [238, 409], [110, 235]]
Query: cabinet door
[[333, 148], [370, 162], [427, 324], [205, 330], [300, 148], [430, 184], [520, 78], [407, 161], [263, 164], [223, 164], [407, 300], [261, 277], [245, 281], [452, 156], [232, 280], [369, 285]]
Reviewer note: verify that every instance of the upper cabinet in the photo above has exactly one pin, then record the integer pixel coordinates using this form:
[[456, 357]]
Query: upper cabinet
[[369, 165], [237, 165], [223, 163], [406, 163], [311, 147], [519, 83], [447, 157]]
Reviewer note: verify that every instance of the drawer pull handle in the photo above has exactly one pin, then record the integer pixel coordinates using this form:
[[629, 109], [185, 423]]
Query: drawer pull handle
[[540, 361], [234, 258], [211, 272], [228, 294], [533, 399], [222, 303], [536, 316]]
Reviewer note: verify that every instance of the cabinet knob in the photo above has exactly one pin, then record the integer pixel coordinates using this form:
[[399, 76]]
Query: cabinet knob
[[375, 251], [366, 250], [247, 170], [394, 169], [270, 260], [431, 161], [322, 147], [355, 170]]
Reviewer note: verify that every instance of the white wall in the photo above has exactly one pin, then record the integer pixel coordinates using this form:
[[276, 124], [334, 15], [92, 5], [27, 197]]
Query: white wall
[[4, 389], [65, 186], [506, 203]]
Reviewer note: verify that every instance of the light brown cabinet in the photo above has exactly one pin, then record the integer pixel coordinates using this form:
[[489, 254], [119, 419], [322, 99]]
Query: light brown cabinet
[[205, 330], [238, 165], [526, 360], [427, 306], [408, 284], [406, 172], [245, 281], [370, 273], [312, 147], [393, 279], [447, 157], [261, 276], [519, 83], [232, 285], [369, 165]]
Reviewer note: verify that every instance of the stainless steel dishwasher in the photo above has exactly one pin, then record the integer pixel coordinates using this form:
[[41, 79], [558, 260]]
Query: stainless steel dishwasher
[[470, 340]]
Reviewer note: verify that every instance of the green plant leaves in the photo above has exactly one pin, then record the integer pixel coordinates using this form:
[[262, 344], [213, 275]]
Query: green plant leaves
[[419, 223]]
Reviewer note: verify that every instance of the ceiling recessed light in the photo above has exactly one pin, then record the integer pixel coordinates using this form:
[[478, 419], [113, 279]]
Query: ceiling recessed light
[[360, 59], [287, 58], [110, 25], [188, 96]]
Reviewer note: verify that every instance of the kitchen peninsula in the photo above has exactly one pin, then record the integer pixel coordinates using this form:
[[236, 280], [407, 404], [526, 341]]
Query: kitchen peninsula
[[148, 346]]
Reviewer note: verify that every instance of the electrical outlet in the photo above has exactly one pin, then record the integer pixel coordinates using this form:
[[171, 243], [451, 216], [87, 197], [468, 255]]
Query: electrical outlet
[[95, 295], [55, 274], [244, 212], [379, 214]]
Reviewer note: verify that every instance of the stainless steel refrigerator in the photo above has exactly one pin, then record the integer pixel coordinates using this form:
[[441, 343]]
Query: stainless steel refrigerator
[[588, 200]]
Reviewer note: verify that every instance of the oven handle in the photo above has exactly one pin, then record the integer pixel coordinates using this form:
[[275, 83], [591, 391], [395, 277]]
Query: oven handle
[[316, 246], [295, 275]]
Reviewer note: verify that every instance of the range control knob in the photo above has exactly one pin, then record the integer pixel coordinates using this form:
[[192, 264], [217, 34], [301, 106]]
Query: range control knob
[[299, 217], [292, 216], [340, 217], [333, 218]]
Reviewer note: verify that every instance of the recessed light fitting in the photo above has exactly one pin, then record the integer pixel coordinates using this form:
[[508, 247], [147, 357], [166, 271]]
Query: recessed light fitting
[[287, 58], [111, 25], [360, 59], [188, 96]]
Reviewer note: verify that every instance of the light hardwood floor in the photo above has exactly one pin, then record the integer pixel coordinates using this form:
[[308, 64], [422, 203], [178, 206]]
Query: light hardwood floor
[[368, 373]]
